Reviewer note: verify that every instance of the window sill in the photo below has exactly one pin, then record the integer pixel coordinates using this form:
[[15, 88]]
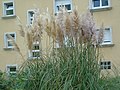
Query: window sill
[[100, 9], [107, 45], [10, 16], [33, 58], [13, 72], [56, 13], [7, 48]]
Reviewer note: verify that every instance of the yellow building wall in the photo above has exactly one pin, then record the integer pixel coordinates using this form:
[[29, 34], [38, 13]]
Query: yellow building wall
[[110, 18], [107, 17]]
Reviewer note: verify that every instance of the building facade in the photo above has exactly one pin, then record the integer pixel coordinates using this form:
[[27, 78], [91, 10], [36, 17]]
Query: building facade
[[104, 11]]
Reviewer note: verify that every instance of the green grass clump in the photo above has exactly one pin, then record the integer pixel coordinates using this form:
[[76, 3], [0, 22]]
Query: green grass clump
[[68, 68]]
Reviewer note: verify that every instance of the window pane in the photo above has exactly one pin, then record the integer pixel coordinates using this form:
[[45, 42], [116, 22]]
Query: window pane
[[9, 12], [31, 14], [12, 69], [9, 5], [96, 3], [105, 67], [68, 7], [107, 36], [105, 63], [109, 63], [58, 8], [109, 67], [102, 63], [31, 20], [36, 54], [10, 43], [104, 2], [36, 47], [13, 35]]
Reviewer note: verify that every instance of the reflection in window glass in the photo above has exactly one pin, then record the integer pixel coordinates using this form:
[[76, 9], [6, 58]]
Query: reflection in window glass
[[104, 2], [96, 3]]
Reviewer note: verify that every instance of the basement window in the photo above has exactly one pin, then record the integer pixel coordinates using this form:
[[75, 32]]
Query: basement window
[[105, 64], [11, 69]]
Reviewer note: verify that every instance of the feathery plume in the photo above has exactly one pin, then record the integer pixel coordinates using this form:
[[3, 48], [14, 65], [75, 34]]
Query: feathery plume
[[21, 28], [100, 34], [87, 26], [75, 19], [48, 28], [16, 47], [67, 25], [29, 40]]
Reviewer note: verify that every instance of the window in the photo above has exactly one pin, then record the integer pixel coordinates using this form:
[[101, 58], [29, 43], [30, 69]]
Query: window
[[35, 53], [11, 69], [105, 65], [66, 43], [8, 41], [8, 8], [107, 36], [30, 17], [63, 3], [96, 4]]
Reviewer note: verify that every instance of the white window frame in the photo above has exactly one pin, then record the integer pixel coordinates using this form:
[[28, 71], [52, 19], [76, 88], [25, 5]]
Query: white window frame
[[66, 43], [106, 42], [105, 65], [100, 7], [62, 2], [110, 36], [8, 66], [6, 40], [11, 8], [29, 22], [31, 51]]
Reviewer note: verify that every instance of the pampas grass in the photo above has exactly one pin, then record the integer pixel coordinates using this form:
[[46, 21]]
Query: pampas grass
[[72, 66], [30, 40], [21, 27]]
